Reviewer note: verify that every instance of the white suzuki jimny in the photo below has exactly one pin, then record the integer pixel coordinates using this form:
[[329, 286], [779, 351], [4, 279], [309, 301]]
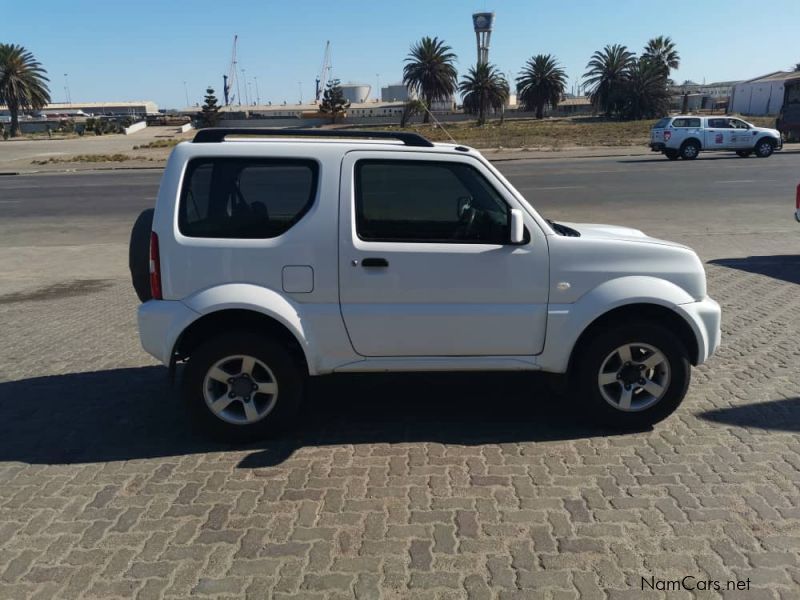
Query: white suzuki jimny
[[275, 255]]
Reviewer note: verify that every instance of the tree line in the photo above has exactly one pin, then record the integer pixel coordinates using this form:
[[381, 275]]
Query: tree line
[[619, 83]]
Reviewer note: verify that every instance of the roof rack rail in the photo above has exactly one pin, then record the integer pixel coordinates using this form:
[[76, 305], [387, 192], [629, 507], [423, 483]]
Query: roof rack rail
[[218, 134]]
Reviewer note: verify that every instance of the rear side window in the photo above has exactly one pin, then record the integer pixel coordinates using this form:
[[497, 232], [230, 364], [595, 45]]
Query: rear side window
[[661, 123], [686, 122], [245, 198]]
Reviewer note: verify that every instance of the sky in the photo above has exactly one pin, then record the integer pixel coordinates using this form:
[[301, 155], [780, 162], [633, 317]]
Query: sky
[[145, 50]]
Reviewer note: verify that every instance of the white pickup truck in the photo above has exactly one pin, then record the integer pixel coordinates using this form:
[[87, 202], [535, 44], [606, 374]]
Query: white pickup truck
[[685, 136]]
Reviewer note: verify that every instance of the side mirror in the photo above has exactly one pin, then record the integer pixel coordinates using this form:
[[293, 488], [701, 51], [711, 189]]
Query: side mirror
[[517, 227]]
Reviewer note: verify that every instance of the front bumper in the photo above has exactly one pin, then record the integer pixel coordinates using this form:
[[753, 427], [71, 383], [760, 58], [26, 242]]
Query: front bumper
[[705, 319], [161, 322]]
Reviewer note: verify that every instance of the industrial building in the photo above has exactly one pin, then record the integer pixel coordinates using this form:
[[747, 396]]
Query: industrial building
[[142, 107], [396, 92], [762, 96]]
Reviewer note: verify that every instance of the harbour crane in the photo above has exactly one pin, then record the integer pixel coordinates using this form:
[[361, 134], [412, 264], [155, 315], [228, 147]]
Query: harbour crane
[[324, 72], [228, 80]]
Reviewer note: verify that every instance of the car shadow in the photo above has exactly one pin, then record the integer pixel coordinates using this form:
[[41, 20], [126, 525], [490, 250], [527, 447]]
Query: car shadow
[[780, 266], [127, 414], [778, 415]]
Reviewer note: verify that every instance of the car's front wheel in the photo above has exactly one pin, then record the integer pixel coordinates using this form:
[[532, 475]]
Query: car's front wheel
[[764, 148], [690, 150], [241, 387], [632, 376]]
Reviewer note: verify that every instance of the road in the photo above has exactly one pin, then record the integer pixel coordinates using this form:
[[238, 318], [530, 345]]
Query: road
[[427, 487], [722, 190]]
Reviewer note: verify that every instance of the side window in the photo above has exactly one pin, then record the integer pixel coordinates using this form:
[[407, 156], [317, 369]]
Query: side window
[[737, 124], [718, 123], [686, 122], [245, 198], [422, 201]]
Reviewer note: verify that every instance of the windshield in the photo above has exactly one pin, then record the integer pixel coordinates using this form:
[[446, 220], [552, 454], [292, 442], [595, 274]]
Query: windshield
[[661, 123]]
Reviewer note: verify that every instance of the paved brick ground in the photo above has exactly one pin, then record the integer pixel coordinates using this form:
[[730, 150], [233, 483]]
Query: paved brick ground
[[395, 487]]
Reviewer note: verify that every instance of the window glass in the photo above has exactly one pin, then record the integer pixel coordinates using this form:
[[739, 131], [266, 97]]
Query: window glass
[[661, 123], [737, 124], [421, 201], [719, 123], [245, 198], [686, 122]]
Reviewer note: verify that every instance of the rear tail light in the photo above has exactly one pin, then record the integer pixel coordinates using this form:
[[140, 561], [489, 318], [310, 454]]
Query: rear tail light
[[667, 135], [155, 268]]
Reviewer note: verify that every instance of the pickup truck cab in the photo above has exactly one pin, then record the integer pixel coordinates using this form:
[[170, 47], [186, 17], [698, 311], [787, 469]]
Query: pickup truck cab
[[685, 136], [292, 254]]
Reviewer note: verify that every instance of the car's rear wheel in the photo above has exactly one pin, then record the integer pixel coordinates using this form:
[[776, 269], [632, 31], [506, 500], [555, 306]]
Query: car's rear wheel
[[744, 153], [633, 375], [689, 150], [764, 148], [240, 387], [671, 154]]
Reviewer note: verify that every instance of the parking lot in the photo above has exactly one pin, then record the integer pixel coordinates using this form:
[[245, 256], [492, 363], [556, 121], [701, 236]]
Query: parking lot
[[423, 486]]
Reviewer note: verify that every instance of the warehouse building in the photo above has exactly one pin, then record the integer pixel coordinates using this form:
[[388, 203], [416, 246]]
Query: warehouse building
[[762, 96]]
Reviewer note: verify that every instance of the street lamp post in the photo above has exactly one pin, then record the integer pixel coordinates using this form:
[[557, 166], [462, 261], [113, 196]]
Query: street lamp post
[[66, 88], [186, 93], [258, 94], [246, 96]]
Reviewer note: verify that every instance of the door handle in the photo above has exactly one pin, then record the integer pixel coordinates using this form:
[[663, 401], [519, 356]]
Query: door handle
[[374, 262]]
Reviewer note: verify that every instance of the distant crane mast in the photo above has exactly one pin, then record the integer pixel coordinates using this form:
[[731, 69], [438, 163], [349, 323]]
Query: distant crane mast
[[324, 72], [227, 80]]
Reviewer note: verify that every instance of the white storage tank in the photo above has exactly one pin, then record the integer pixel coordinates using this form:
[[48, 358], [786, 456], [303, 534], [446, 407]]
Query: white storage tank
[[356, 93]]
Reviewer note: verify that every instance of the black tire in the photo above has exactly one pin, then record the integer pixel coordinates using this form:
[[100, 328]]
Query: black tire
[[689, 150], [764, 148], [601, 344], [139, 254], [744, 153], [671, 154], [285, 371]]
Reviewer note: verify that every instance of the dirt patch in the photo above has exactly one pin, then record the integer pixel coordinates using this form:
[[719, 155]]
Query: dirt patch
[[65, 289]]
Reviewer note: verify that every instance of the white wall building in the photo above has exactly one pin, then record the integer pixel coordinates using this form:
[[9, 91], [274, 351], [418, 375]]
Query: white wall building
[[761, 96]]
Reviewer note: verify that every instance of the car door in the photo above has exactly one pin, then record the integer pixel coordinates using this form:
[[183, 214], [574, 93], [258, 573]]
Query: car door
[[425, 266], [741, 135], [719, 135]]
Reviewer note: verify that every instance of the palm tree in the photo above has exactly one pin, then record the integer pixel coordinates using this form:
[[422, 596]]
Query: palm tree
[[605, 77], [484, 88], [23, 83], [661, 51], [645, 92], [430, 72], [541, 83]]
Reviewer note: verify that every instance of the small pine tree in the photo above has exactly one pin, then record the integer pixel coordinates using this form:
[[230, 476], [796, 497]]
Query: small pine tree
[[209, 112], [333, 100]]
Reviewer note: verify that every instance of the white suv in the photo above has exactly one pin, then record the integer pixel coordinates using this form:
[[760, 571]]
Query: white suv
[[296, 253], [685, 136]]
